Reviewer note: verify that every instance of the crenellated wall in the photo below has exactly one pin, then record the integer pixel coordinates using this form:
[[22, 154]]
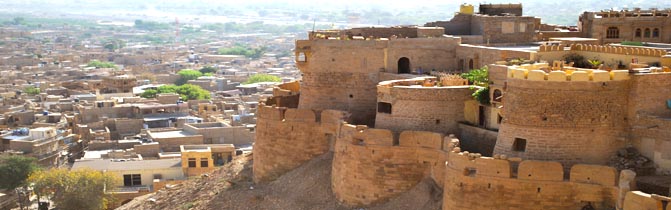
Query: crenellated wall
[[371, 165], [576, 121], [489, 183], [414, 106], [611, 55], [286, 138]]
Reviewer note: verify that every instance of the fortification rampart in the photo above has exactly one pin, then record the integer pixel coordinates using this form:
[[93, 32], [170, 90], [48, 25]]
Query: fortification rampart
[[625, 50], [418, 104], [286, 138], [372, 165], [568, 120], [474, 182], [610, 55], [568, 75]]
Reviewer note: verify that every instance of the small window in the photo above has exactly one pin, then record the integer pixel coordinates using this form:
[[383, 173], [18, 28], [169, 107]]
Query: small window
[[497, 96], [638, 33], [383, 107], [301, 57], [614, 33], [655, 32], [470, 172], [204, 162], [132, 180], [192, 162], [520, 145], [158, 176], [646, 33]]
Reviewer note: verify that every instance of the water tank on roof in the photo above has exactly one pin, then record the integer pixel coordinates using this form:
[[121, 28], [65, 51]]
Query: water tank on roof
[[467, 9]]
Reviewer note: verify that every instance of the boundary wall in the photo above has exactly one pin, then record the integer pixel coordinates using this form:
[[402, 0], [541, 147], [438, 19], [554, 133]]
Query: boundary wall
[[286, 138], [372, 165], [609, 54], [474, 182]]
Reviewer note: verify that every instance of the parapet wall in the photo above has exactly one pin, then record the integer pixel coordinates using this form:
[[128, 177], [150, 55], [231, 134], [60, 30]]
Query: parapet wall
[[286, 138], [569, 75], [474, 182], [611, 56], [371, 165], [624, 50]]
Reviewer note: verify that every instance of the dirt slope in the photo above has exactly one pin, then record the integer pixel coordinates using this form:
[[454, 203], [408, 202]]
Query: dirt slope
[[307, 187]]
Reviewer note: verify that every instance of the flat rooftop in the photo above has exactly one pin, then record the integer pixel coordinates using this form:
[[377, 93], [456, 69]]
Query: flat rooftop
[[169, 134], [112, 165]]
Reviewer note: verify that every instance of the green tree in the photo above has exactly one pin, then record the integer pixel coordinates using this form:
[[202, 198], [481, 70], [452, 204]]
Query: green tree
[[186, 75], [14, 170], [238, 49], [480, 79], [31, 90], [208, 69], [150, 93], [186, 92], [101, 64], [112, 45], [262, 78], [78, 189], [192, 92]]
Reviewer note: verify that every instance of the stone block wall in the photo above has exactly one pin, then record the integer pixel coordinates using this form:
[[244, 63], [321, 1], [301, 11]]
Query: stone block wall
[[612, 56], [342, 74], [489, 183], [436, 109], [371, 165], [147, 150], [286, 138], [568, 121]]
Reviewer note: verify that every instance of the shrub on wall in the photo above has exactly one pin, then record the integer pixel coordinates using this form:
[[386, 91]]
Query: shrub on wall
[[578, 60], [482, 95]]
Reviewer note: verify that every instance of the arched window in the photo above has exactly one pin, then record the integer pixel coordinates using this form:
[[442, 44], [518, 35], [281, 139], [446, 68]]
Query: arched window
[[613, 33], [655, 32], [404, 65], [646, 34], [301, 57], [638, 32], [497, 96], [470, 64]]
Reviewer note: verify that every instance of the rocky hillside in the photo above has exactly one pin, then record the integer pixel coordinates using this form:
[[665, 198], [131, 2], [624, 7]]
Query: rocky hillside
[[307, 187]]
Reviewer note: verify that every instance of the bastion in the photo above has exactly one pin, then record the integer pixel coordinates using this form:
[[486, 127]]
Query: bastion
[[572, 116]]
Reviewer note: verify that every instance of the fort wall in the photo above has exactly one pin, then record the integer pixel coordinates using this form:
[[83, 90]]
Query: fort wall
[[371, 165], [489, 183], [610, 55], [286, 138], [415, 107], [569, 121], [649, 117]]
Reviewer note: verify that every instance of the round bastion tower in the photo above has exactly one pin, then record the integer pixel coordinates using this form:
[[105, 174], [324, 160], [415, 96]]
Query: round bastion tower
[[572, 116]]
